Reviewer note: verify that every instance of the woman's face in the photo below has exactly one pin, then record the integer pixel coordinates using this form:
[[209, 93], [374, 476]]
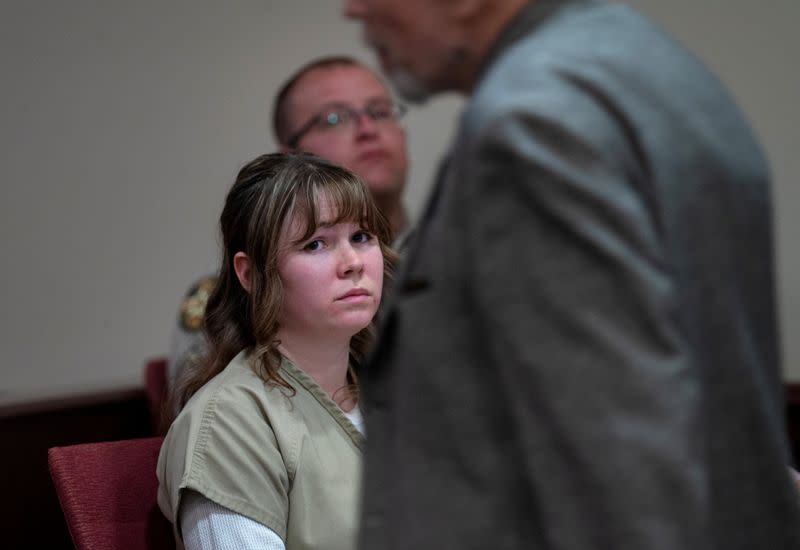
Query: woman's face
[[332, 281]]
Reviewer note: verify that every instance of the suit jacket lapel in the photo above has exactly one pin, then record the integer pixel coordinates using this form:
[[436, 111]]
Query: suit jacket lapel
[[412, 275]]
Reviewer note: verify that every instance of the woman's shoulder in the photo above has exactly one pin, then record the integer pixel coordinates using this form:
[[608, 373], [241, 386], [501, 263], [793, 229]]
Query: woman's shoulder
[[239, 392], [233, 442], [235, 415]]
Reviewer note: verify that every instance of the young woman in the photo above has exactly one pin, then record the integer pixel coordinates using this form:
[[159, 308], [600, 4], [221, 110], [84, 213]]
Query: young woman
[[266, 451]]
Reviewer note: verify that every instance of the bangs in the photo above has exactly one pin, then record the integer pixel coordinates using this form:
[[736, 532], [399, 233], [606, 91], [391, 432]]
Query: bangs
[[348, 199]]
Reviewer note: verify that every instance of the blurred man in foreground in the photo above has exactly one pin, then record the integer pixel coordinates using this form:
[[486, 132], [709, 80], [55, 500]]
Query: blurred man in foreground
[[582, 351]]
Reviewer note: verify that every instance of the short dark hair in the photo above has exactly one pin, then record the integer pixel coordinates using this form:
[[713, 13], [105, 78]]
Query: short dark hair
[[280, 114]]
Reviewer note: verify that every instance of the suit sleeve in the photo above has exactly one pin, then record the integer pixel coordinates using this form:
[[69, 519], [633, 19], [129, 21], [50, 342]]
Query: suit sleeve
[[570, 275]]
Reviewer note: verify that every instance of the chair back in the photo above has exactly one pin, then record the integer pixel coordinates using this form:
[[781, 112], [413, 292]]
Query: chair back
[[108, 491], [155, 386]]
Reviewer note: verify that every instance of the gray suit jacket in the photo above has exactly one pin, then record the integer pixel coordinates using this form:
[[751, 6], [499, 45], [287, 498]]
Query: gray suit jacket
[[582, 349]]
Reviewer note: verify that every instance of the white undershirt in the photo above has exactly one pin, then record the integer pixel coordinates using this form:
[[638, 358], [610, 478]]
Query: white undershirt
[[207, 525]]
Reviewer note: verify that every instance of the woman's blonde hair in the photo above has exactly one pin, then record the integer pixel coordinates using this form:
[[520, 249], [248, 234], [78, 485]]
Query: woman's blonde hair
[[269, 192]]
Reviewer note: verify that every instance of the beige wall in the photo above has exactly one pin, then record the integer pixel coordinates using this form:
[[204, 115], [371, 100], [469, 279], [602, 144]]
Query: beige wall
[[123, 123]]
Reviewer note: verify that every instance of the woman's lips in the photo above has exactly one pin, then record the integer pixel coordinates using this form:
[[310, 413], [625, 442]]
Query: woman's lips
[[354, 295]]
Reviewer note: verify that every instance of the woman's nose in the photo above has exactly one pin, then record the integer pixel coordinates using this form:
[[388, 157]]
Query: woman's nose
[[350, 260]]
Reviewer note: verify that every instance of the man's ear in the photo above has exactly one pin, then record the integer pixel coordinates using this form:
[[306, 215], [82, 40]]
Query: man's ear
[[241, 265]]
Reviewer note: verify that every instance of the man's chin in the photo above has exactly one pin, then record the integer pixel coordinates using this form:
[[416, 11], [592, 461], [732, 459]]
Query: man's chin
[[407, 86], [381, 184]]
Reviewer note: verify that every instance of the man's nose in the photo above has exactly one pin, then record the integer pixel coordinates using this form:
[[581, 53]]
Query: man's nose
[[365, 124]]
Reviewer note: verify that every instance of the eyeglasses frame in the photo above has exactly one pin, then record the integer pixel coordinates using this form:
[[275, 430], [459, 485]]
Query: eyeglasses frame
[[398, 111]]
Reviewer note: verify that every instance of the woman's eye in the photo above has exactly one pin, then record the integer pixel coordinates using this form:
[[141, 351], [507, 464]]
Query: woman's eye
[[362, 237], [316, 244]]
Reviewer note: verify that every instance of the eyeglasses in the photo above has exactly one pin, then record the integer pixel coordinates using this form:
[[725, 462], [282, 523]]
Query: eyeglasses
[[340, 117]]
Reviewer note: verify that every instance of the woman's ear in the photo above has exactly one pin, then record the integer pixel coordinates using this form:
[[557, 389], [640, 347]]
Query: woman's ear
[[241, 265]]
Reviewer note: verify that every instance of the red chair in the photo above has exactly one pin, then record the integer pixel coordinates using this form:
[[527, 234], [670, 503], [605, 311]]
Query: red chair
[[108, 491], [155, 385]]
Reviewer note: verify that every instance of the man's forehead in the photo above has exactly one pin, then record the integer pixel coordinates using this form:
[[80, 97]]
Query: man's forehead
[[343, 84]]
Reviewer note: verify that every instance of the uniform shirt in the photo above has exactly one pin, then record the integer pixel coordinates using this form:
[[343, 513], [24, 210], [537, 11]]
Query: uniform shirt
[[208, 526], [289, 462], [188, 342]]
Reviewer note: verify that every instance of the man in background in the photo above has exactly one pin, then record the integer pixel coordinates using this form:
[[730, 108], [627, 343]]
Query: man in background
[[337, 109], [582, 348]]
